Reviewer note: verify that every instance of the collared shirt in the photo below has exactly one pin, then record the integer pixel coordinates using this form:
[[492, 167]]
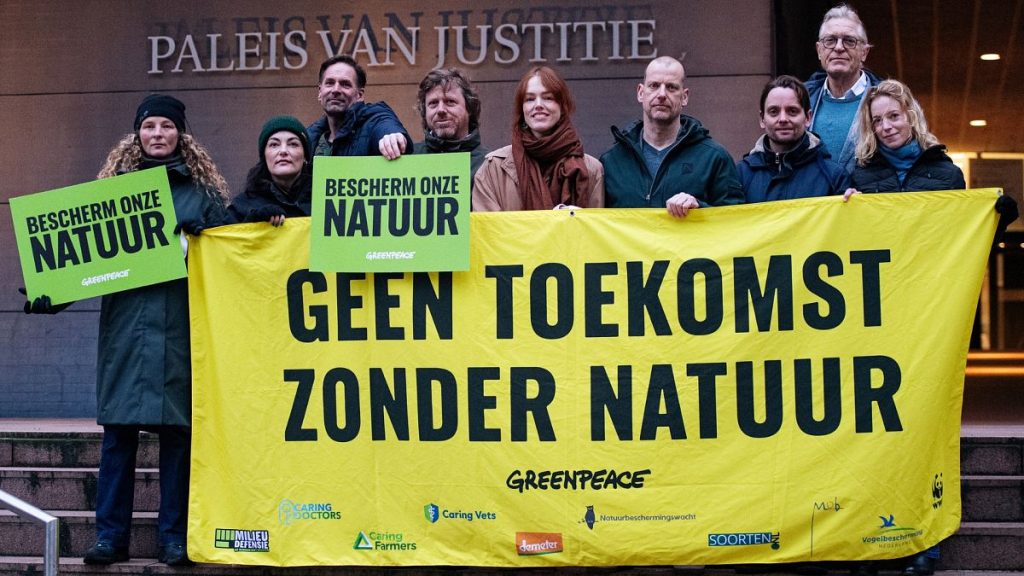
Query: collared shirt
[[855, 91]]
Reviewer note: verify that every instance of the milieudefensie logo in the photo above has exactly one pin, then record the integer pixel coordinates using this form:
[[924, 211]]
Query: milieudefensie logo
[[241, 540]]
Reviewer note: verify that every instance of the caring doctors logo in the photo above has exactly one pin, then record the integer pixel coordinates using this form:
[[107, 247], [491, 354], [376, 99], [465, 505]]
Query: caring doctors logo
[[434, 513], [890, 535], [380, 541], [744, 539], [242, 540], [537, 543], [288, 512]]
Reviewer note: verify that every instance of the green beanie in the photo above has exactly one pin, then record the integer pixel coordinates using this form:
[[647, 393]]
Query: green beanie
[[290, 124]]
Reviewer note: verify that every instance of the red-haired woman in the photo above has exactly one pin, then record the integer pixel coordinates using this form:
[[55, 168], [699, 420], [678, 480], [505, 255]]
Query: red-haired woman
[[545, 166]]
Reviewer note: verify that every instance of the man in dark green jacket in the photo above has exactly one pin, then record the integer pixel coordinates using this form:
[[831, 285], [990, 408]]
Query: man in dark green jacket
[[667, 158]]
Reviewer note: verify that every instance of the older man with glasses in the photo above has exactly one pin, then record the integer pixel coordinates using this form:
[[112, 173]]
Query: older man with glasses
[[836, 90]]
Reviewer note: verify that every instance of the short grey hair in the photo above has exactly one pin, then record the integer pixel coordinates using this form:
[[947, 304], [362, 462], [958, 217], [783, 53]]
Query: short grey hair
[[845, 12]]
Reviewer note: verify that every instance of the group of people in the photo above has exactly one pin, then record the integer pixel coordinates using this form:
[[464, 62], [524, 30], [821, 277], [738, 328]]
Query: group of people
[[843, 132]]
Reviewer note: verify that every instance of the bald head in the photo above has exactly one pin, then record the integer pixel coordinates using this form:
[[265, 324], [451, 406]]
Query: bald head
[[663, 64]]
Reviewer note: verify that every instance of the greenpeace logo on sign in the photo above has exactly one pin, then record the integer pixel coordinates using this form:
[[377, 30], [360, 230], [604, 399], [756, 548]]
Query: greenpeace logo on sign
[[536, 543], [744, 539], [242, 540]]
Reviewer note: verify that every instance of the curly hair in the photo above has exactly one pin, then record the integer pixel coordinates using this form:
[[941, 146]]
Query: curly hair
[[867, 141], [449, 78], [127, 155]]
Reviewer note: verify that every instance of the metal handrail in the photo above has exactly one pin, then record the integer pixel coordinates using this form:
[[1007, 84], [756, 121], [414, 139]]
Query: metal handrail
[[51, 555]]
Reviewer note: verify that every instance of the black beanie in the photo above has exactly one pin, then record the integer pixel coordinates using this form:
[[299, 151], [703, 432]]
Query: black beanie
[[289, 124], [161, 105]]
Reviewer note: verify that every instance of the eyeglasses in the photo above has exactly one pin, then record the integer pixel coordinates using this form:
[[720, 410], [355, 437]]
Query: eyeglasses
[[849, 42]]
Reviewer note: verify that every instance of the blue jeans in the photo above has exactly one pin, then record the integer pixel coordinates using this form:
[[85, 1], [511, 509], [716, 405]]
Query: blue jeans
[[115, 490]]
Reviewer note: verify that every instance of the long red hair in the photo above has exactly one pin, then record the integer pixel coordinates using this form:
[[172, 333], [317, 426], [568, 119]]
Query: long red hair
[[554, 84]]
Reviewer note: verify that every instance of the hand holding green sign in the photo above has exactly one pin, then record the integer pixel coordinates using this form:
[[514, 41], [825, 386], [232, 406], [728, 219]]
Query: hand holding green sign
[[406, 215], [98, 238]]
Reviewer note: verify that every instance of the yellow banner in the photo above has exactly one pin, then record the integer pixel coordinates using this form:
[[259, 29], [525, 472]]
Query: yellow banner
[[765, 383]]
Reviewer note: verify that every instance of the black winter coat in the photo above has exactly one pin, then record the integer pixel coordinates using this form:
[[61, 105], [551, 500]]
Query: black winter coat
[[261, 191], [933, 170], [143, 368]]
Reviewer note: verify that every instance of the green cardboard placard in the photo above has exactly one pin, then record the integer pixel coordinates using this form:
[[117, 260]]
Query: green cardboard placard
[[370, 214], [99, 237]]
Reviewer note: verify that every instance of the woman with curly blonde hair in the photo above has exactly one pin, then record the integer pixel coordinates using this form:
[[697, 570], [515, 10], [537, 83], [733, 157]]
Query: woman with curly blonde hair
[[143, 379], [895, 151], [126, 156]]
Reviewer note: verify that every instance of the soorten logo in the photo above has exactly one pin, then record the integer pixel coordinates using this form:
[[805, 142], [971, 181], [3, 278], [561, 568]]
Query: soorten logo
[[288, 511], [433, 513], [242, 540], [380, 541], [744, 539], [537, 543]]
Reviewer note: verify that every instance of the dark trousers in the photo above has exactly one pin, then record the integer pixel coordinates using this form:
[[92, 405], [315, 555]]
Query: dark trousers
[[115, 491]]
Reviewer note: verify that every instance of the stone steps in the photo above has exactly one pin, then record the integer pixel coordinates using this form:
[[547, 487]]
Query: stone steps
[[73, 488], [57, 470]]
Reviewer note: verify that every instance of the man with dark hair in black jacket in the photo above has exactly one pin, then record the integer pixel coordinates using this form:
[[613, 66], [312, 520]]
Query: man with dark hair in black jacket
[[350, 126]]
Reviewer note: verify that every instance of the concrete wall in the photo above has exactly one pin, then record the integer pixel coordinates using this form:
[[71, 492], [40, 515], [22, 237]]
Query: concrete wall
[[72, 73]]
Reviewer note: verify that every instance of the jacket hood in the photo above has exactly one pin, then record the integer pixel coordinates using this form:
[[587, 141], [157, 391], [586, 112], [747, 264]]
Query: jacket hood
[[761, 144], [691, 131], [760, 155]]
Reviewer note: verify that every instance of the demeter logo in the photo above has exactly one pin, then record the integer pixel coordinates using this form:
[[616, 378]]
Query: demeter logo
[[537, 543], [242, 540]]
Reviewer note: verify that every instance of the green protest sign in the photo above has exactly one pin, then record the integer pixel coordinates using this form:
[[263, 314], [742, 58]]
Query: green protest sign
[[370, 214], [99, 237]]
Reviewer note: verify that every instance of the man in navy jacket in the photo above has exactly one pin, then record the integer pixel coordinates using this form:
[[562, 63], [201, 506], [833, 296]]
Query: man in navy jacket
[[788, 161], [350, 126]]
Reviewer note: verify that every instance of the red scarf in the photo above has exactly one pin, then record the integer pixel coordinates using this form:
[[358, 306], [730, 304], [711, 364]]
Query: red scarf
[[551, 169]]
